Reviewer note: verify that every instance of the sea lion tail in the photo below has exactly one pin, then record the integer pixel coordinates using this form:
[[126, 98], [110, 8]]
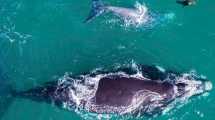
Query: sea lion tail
[[98, 8]]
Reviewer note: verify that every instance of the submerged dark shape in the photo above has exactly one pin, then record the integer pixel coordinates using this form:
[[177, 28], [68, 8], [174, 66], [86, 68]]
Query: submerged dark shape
[[5, 89], [186, 2], [50, 92], [145, 90]]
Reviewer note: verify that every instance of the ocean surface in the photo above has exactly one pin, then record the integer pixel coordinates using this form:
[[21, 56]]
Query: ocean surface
[[41, 40]]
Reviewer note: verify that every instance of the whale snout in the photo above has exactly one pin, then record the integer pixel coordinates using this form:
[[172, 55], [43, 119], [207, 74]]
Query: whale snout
[[205, 86], [188, 88]]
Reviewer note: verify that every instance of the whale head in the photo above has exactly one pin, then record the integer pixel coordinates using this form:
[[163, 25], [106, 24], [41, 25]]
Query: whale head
[[188, 86]]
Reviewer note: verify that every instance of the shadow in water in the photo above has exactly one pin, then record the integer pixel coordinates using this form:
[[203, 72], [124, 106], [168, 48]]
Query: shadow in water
[[5, 89]]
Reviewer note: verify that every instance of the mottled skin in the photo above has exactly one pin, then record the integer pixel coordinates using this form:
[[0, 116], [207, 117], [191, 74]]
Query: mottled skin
[[118, 91]]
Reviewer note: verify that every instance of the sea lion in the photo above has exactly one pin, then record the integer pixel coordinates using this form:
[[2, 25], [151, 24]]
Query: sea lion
[[186, 2]]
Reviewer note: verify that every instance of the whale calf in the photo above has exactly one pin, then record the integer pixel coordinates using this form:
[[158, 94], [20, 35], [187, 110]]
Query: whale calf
[[143, 90], [136, 15]]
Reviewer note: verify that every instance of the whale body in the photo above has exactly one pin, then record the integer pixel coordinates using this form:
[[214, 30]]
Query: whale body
[[136, 15], [146, 90]]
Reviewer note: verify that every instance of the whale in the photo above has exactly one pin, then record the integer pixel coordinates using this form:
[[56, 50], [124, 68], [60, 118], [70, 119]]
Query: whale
[[186, 2], [137, 15], [143, 90]]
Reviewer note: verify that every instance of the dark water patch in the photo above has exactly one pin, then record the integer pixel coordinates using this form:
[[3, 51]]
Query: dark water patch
[[5, 97]]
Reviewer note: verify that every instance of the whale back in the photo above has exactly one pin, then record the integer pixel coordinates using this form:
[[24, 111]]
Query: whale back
[[119, 91]]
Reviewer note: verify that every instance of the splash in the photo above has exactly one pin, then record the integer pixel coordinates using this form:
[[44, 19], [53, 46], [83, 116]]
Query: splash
[[142, 17], [8, 31], [146, 19], [11, 35]]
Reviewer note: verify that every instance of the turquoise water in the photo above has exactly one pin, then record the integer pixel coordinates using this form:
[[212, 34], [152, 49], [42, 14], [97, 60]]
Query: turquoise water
[[41, 40]]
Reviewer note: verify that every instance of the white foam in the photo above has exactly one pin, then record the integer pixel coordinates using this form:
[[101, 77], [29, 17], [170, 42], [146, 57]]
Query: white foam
[[140, 20], [161, 69], [208, 86], [169, 16]]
